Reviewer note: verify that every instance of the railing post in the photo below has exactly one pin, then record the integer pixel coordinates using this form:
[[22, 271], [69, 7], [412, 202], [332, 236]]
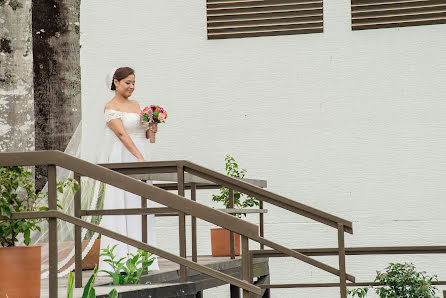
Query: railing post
[[251, 267], [231, 233], [262, 224], [182, 223], [144, 223], [245, 264], [52, 232], [77, 236], [234, 291], [144, 219], [193, 194], [342, 273]]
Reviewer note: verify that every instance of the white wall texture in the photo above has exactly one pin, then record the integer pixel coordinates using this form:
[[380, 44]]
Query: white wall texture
[[352, 123]]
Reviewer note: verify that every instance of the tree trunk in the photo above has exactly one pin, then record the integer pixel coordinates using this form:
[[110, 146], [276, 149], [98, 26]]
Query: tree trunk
[[56, 48], [16, 79]]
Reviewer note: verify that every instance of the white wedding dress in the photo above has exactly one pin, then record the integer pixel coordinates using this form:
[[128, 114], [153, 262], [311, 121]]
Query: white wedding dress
[[115, 198], [95, 195]]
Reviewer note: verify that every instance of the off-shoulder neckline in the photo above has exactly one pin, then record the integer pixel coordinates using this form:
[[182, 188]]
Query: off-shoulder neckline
[[120, 111]]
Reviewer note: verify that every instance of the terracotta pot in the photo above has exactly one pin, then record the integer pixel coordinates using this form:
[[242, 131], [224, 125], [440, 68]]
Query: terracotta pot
[[20, 271], [220, 243], [91, 259]]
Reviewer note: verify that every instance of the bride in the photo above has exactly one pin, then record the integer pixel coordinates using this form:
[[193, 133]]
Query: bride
[[124, 140], [128, 144]]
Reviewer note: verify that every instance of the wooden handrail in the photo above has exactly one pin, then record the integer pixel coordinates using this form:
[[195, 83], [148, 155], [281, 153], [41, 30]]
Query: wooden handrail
[[116, 175], [86, 169], [232, 183], [138, 244], [245, 187], [354, 251], [267, 196]]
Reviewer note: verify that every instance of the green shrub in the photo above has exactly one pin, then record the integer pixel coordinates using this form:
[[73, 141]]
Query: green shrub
[[240, 200], [126, 270], [401, 281], [17, 195]]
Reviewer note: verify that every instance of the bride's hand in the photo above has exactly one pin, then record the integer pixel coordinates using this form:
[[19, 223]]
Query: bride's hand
[[154, 127], [141, 160]]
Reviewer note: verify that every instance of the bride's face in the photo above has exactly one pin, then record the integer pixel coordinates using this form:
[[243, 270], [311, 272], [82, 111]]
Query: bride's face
[[126, 86]]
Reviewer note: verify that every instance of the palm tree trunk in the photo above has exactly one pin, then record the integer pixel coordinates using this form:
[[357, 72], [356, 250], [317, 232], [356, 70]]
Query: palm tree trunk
[[16, 78], [56, 50]]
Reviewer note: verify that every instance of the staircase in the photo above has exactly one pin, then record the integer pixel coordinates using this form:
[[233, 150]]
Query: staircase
[[117, 175]]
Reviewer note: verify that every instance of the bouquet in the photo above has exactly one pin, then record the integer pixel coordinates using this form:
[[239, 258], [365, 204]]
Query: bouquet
[[153, 115]]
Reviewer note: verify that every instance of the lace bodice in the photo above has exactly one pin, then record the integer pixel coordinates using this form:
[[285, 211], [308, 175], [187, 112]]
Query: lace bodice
[[131, 121]]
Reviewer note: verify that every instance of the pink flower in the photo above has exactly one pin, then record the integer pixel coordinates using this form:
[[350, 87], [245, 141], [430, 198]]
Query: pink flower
[[147, 114]]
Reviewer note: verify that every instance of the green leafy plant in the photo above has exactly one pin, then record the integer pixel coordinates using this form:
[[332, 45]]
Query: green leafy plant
[[113, 294], [70, 286], [401, 281], [89, 290], [240, 200], [126, 270], [359, 292], [17, 194]]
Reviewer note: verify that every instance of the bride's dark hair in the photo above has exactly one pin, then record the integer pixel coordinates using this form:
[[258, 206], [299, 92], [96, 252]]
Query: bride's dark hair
[[121, 73]]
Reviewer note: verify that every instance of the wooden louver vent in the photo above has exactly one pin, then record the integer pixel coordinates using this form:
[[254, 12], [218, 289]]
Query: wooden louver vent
[[249, 18], [373, 14]]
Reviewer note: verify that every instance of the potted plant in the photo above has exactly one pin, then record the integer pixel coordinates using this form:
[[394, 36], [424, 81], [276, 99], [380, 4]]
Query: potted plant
[[400, 280], [17, 194], [220, 241]]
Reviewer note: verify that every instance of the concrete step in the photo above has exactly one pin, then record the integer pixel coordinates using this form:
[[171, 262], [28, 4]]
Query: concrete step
[[165, 282]]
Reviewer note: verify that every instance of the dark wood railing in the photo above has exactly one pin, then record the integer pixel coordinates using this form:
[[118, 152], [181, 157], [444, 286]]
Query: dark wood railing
[[218, 179], [351, 251], [82, 168], [116, 175], [214, 180]]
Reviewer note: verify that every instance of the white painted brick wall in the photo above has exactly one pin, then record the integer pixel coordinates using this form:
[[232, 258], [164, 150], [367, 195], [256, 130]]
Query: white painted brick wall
[[349, 122]]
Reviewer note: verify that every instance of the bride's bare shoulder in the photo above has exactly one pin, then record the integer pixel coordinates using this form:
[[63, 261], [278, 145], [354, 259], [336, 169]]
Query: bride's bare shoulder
[[135, 103], [110, 106]]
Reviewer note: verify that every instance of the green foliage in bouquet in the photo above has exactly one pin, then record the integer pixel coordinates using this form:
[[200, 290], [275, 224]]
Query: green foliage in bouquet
[[17, 195], [240, 200], [126, 271], [401, 281]]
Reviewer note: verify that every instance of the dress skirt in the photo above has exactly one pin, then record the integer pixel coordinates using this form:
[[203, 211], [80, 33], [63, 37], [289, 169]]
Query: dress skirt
[[115, 198]]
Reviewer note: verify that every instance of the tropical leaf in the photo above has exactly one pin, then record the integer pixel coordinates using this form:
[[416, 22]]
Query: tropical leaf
[[113, 294], [89, 290], [70, 287]]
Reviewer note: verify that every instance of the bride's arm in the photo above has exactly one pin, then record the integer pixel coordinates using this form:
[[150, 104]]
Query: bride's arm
[[116, 126]]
